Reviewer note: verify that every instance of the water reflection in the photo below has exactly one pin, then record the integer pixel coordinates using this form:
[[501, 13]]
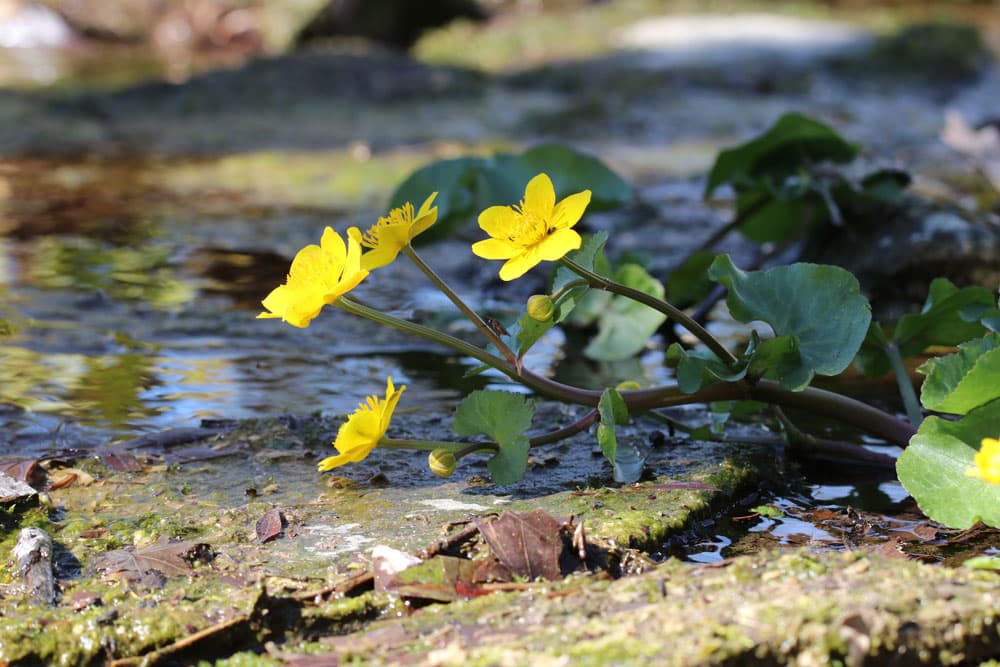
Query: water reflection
[[125, 312]]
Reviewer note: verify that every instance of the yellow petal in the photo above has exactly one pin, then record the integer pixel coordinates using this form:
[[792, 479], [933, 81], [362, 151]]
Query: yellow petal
[[331, 462], [495, 249], [334, 245], [425, 208], [517, 266], [497, 221], [557, 244], [569, 211], [423, 222], [540, 197]]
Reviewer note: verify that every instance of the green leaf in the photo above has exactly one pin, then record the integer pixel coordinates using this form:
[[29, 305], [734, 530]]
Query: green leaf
[[768, 511], [941, 321], [627, 461], [570, 170], [502, 416], [820, 306], [466, 186], [792, 141], [779, 359], [777, 219], [959, 382], [613, 411], [694, 368], [624, 327], [455, 182], [689, 283], [933, 469], [982, 563]]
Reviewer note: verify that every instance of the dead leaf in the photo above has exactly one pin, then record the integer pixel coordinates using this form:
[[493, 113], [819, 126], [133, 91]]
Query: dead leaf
[[529, 544], [120, 461], [270, 525], [25, 470], [66, 476], [165, 558]]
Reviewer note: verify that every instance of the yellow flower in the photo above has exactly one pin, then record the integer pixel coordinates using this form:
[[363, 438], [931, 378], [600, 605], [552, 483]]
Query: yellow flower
[[364, 428], [320, 274], [537, 230], [394, 232], [987, 461]]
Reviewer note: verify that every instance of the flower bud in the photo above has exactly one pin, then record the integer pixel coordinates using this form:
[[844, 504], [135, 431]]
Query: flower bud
[[541, 307], [442, 462], [628, 385]]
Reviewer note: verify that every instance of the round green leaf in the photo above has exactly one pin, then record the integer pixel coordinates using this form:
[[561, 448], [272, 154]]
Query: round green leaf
[[820, 306], [933, 469], [963, 380]]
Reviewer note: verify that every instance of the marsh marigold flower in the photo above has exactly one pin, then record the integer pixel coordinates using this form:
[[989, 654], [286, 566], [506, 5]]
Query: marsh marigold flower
[[538, 229], [394, 232], [364, 428], [987, 461], [320, 274]]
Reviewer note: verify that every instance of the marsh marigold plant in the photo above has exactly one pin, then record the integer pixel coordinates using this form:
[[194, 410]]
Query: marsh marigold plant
[[538, 229], [320, 274], [364, 428], [387, 237]]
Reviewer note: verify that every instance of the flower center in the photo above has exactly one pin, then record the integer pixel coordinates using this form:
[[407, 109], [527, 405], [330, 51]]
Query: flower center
[[528, 228], [397, 216]]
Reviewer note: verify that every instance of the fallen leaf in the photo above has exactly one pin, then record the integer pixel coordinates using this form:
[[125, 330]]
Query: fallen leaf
[[166, 558], [25, 470], [120, 461], [270, 525], [529, 544]]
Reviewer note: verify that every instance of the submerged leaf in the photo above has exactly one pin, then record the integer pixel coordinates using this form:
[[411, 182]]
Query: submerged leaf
[[625, 325]]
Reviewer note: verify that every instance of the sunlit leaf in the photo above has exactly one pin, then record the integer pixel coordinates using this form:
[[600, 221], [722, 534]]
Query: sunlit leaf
[[820, 306], [959, 382], [502, 416], [933, 469]]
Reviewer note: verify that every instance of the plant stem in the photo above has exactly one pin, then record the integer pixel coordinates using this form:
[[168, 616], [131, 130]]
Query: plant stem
[[461, 305], [431, 445], [600, 282], [906, 392], [565, 431], [367, 312]]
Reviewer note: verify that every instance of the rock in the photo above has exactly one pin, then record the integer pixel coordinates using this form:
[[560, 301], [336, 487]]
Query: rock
[[982, 144], [896, 258], [33, 553], [27, 25], [15, 492], [397, 23]]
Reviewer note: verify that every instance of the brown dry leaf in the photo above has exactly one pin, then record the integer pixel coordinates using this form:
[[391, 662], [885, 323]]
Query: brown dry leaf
[[270, 525], [529, 544], [63, 477], [25, 470], [166, 558], [120, 461]]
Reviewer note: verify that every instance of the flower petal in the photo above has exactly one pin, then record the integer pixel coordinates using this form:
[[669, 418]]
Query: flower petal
[[540, 197], [497, 221], [569, 211], [496, 249], [334, 245], [425, 208], [517, 266], [557, 244]]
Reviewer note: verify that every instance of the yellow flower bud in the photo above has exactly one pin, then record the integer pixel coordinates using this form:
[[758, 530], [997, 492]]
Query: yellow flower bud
[[442, 462], [628, 385], [541, 307]]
